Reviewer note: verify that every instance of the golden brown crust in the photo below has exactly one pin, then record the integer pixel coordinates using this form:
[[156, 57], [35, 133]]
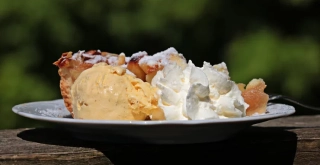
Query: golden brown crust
[[68, 74], [63, 60], [65, 87]]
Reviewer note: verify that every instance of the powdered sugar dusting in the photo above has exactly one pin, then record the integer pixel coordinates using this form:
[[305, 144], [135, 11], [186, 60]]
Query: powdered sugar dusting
[[127, 59], [160, 58], [113, 60], [95, 59], [77, 56], [55, 109], [53, 113], [138, 54], [170, 50]]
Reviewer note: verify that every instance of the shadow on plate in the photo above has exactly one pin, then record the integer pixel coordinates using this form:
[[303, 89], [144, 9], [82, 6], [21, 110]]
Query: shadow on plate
[[255, 145]]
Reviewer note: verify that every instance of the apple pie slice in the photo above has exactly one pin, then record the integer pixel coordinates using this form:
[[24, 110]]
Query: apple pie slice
[[140, 64]]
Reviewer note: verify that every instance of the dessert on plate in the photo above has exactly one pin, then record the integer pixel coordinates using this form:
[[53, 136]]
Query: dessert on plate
[[164, 86]]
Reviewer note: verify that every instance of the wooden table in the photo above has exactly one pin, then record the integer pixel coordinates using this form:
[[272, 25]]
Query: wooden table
[[290, 140]]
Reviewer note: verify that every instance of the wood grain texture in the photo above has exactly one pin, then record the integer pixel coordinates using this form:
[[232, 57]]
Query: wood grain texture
[[291, 140]]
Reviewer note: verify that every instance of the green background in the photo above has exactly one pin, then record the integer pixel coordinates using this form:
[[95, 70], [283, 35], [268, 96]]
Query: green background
[[277, 40]]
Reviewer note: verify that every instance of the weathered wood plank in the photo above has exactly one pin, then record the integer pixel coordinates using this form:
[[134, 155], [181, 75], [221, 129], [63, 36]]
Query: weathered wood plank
[[296, 121], [291, 140], [307, 158]]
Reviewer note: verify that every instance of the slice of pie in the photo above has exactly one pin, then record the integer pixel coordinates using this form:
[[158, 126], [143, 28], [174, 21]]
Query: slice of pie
[[140, 64]]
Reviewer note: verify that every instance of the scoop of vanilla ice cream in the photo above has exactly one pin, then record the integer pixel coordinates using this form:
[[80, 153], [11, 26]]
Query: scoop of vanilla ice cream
[[107, 92], [195, 93]]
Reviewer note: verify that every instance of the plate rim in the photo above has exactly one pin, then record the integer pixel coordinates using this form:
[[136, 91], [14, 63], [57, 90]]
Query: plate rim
[[257, 118]]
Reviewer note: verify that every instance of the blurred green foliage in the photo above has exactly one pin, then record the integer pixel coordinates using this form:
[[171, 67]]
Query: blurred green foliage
[[274, 40]]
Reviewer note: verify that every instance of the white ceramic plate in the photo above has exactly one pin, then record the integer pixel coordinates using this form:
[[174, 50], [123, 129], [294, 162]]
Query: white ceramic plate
[[159, 132]]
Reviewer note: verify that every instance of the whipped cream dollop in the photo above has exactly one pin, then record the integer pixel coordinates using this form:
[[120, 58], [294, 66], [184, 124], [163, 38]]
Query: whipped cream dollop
[[194, 93]]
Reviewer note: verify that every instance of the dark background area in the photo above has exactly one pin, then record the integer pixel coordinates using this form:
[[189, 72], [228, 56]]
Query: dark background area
[[277, 40]]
